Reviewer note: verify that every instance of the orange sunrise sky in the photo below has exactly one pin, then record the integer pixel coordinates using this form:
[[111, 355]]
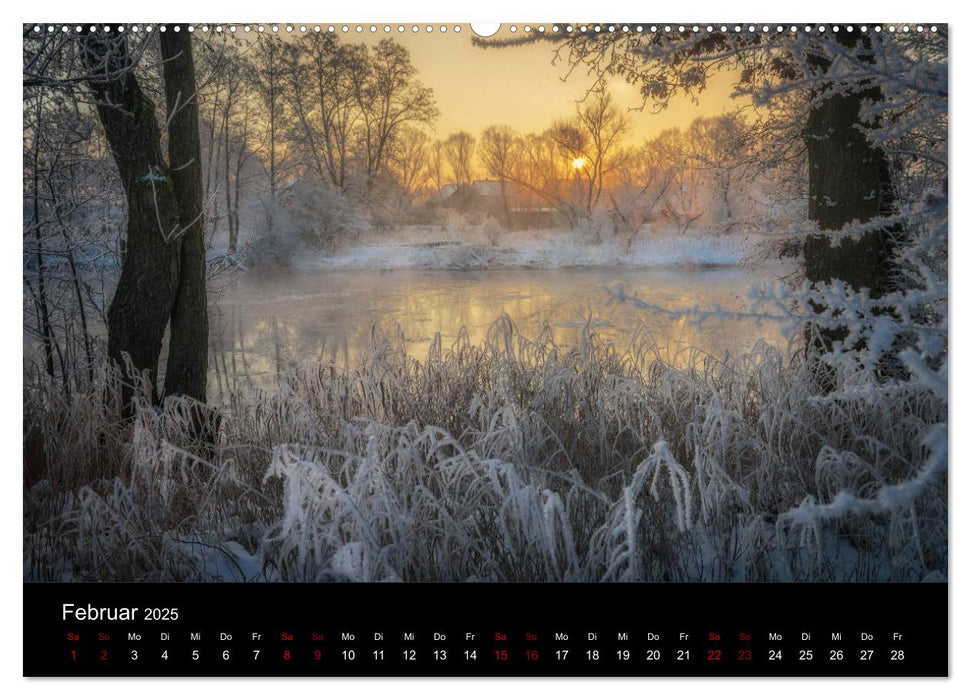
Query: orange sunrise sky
[[520, 86]]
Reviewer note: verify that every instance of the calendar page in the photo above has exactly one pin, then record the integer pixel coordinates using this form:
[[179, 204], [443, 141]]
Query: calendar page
[[447, 349]]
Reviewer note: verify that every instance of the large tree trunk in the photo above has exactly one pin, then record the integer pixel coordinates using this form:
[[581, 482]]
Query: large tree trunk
[[149, 280], [849, 179], [163, 273], [186, 372]]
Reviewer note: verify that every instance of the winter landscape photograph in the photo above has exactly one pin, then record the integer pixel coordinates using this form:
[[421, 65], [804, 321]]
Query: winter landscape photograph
[[565, 303]]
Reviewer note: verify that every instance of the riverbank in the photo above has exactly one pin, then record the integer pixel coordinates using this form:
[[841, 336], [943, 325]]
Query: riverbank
[[435, 248]]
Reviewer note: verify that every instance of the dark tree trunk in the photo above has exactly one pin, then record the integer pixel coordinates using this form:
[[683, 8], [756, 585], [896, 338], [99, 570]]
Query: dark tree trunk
[[186, 372], [149, 279], [849, 179], [163, 273], [44, 322]]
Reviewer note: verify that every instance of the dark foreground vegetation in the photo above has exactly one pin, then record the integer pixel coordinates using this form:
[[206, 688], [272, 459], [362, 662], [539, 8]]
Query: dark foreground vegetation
[[515, 460]]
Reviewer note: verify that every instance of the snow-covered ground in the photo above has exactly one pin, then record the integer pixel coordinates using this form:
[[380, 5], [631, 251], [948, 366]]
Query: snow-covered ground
[[436, 249]]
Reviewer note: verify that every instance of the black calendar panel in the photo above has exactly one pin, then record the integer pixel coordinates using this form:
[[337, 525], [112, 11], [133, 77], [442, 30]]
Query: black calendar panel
[[639, 630]]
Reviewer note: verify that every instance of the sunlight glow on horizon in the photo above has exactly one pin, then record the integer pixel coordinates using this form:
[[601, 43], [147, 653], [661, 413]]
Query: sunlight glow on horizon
[[528, 87]]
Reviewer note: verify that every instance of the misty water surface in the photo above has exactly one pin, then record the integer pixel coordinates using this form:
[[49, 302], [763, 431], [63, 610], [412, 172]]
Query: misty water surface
[[268, 320]]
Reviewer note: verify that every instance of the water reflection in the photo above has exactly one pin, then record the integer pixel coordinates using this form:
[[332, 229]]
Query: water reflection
[[269, 320]]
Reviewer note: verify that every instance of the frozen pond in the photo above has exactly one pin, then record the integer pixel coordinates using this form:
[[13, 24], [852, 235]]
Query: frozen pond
[[267, 320]]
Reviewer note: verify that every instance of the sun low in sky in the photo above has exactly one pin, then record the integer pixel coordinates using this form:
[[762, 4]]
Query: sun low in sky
[[523, 87]]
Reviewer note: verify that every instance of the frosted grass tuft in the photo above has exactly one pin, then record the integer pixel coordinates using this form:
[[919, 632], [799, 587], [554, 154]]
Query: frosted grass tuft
[[511, 460]]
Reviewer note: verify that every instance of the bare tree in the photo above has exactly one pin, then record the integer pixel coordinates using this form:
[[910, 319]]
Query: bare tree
[[388, 95], [33, 166], [605, 126], [497, 150], [682, 203], [71, 196], [320, 93], [541, 167], [639, 184], [225, 98], [460, 154], [337, 105], [841, 83], [436, 165], [265, 70], [718, 147], [408, 162]]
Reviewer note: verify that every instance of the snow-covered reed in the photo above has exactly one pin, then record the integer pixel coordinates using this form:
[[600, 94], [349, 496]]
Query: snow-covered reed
[[512, 460]]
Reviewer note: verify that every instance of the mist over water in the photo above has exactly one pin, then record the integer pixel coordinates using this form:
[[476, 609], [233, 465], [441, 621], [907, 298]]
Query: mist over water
[[267, 321]]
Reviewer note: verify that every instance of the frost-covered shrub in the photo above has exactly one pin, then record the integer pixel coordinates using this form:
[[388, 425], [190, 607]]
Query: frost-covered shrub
[[324, 218], [455, 223], [385, 201], [471, 227], [772, 248], [510, 460], [276, 240], [305, 215], [595, 227], [490, 230]]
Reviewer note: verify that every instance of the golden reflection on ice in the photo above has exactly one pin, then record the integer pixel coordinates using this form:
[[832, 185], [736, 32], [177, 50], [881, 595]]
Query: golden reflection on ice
[[270, 321]]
